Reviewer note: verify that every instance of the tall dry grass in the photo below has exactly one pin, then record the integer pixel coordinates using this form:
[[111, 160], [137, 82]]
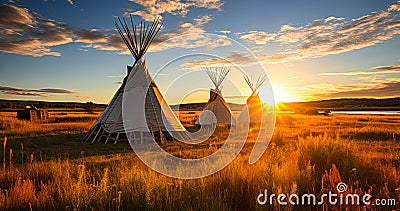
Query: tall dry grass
[[56, 125], [307, 155]]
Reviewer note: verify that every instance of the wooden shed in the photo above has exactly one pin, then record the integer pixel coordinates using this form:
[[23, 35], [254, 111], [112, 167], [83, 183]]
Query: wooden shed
[[32, 113]]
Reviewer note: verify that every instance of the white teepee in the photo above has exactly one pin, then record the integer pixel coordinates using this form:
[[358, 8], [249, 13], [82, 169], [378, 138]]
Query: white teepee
[[216, 111], [149, 114], [253, 111]]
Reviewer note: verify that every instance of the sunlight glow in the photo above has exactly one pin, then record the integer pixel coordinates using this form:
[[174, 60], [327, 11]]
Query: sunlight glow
[[280, 95]]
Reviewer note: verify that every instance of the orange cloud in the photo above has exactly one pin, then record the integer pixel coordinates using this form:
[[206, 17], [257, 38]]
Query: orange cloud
[[15, 17], [24, 34], [258, 37], [154, 8]]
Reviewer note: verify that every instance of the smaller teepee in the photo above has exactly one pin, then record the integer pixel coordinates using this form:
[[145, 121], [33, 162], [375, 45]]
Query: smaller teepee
[[216, 111], [253, 112]]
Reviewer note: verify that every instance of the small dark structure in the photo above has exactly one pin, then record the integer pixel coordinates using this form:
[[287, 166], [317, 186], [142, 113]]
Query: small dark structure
[[33, 114]]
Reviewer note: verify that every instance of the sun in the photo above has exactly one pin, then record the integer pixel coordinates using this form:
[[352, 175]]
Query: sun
[[280, 95]]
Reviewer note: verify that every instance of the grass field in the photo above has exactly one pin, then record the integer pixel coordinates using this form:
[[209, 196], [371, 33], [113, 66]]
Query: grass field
[[46, 166]]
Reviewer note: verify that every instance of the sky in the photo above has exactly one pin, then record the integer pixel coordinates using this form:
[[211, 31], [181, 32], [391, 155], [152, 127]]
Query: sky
[[69, 50]]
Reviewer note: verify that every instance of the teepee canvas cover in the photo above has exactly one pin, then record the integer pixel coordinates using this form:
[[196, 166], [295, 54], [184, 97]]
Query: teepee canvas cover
[[219, 111], [161, 123], [253, 112]]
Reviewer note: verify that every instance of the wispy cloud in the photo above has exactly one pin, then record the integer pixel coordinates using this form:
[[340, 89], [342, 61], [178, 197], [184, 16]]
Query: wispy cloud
[[390, 89], [236, 58], [258, 37], [387, 67], [354, 73], [71, 2], [201, 20], [33, 92], [82, 97], [224, 31], [53, 91], [369, 86], [116, 76], [15, 91], [152, 9], [236, 97], [190, 35]]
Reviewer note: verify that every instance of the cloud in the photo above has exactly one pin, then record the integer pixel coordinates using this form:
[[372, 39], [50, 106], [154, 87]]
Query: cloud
[[116, 76], [25, 34], [82, 97], [53, 91], [33, 92], [328, 36], [236, 97], [322, 37], [203, 19], [360, 73], [71, 2], [224, 31], [145, 15], [237, 58], [15, 17], [90, 36], [371, 86], [29, 47], [111, 43], [387, 67], [371, 78], [395, 7], [189, 35], [258, 37], [336, 35], [152, 8], [390, 89]]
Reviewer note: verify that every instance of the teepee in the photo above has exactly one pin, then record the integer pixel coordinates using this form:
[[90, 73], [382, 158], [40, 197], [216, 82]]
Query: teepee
[[253, 111], [216, 111], [149, 114]]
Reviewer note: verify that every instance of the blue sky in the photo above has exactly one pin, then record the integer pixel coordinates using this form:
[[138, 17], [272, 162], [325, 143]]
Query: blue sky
[[68, 50]]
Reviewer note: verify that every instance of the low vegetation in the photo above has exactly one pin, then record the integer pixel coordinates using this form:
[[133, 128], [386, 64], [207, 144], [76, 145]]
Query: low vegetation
[[45, 166]]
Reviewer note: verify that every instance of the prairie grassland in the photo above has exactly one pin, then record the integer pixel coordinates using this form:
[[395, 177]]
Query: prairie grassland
[[47, 167]]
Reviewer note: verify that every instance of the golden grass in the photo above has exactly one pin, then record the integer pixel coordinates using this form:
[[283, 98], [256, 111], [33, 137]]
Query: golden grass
[[306, 152], [56, 125]]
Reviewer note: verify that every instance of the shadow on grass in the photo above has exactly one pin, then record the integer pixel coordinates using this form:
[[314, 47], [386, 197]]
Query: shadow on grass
[[44, 148]]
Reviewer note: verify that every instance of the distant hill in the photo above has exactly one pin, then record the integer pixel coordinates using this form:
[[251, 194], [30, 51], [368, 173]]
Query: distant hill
[[200, 106], [342, 104], [19, 104], [313, 106], [297, 107]]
